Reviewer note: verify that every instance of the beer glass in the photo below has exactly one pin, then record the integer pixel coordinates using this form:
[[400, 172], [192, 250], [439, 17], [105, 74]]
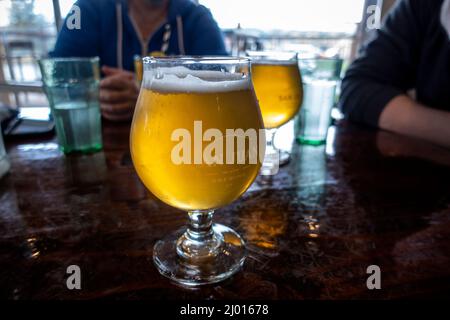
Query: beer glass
[[278, 86], [196, 133]]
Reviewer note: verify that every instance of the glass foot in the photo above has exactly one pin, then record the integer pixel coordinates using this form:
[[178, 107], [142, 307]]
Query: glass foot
[[273, 162], [285, 157], [224, 261]]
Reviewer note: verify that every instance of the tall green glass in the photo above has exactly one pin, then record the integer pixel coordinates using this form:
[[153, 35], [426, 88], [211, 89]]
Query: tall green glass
[[72, 88], [321, 76]]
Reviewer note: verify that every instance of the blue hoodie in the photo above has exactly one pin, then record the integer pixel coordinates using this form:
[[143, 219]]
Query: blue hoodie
[[107, 31]]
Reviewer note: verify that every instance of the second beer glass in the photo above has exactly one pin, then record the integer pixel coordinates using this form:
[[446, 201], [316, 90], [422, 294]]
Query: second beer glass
[[278, 86]]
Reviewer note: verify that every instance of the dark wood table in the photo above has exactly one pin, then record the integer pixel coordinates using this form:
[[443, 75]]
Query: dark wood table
[[366, 198]]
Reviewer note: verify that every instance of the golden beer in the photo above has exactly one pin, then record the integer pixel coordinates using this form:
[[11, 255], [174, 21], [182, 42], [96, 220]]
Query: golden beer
[[160, 111], [197, 141], [278, 87]]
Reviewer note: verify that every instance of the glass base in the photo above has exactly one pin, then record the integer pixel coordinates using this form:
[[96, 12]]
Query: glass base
[[83, 150], [227, 259], [285, 157], [272, 163], [311, 142]]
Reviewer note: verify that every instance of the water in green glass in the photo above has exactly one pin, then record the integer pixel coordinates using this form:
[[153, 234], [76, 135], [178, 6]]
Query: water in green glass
[[315, 115], [320, 79], [72, 88], [77, 122]]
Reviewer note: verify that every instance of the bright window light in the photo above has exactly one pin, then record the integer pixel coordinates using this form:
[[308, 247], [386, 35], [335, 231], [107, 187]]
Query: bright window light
[[288, 15]]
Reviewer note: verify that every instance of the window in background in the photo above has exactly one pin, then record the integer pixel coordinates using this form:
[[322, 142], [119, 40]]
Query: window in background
[[288, 15], [27, 32], [65, 6], [311, 27]]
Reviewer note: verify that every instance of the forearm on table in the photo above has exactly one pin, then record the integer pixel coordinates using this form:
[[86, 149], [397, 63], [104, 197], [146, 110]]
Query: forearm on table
[[405, 116]]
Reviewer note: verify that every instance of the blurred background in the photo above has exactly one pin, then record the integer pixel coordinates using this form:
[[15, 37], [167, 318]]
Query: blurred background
[[28, 30]]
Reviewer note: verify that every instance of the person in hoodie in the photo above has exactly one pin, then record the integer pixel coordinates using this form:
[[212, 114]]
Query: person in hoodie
[[117, 30], [410, 53]]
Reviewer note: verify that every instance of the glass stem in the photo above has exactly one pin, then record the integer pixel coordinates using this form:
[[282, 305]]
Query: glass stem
[[199, 242], [200, 226]]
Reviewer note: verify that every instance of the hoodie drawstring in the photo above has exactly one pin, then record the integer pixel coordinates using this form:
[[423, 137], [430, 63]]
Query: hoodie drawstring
[[119, 49], [166, 36], [180, 35]]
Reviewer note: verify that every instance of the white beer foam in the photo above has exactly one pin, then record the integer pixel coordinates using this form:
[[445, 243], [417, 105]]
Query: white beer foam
[[181, 79]]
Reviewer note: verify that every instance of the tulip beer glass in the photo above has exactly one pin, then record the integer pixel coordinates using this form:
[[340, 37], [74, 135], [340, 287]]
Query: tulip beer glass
[[278, 86], [196, 140]]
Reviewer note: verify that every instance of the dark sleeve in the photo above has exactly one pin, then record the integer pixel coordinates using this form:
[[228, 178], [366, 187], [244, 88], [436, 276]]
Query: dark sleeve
[[387, 65], [82, 42], [205, 36]]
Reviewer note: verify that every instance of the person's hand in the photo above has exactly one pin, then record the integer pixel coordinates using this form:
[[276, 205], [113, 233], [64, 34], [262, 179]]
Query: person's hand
[[406, 116], [118, 94]]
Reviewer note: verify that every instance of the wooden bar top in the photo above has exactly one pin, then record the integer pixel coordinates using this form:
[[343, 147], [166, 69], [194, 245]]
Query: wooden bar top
[[366, 198]]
